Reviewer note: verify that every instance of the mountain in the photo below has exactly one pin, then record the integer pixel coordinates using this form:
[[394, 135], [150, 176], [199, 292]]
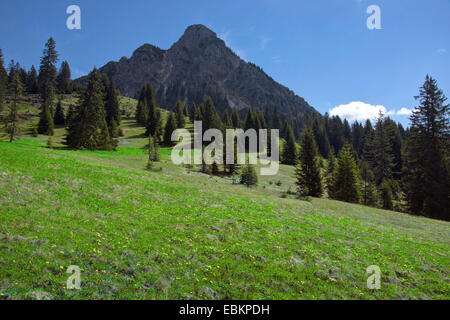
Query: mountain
[[198, 65]]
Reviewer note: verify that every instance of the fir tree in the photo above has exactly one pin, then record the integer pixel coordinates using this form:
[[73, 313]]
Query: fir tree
[[290, 148], [345, 177], [47, 72], [171, 125], [308, 176], [179, 115], [386, 195], [32, 81], [15, 88], [331, 165], [112, 108], [59, 118], [3, 80], [46, 125], [87, 128], [64, 79], [427, 154], [368, 187], [249, 176], [142, 107], [235, 119]]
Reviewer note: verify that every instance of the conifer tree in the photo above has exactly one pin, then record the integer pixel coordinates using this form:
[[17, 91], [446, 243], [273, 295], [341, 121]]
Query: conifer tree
[[331, 165], [386, 195], [64, 79], [142, 107], [309, 181], [427, 154], [368, 187], [249, 176], [112, 108], [345, 177], [47, 71], [59, 118], [3, 80], [179, 115], [235, 119], [15, 88], [87, 128], [46, 124], [171, 125], [290, 148], [32, 81], [276, 120]]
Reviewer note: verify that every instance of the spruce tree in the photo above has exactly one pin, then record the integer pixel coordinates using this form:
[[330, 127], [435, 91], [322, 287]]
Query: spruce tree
[[331, 165], [142, 107], [112, 108], [309, 181], [386, 195], [59, 118], [427, 154], [179, 115], [289, 156], [235, 119], [64, 79], [368, 187], [46, 125], [249, 176], [32, 81], [345, 177], [3, 80], [87, 128], [15, 88], [47, 71], [171, 125]]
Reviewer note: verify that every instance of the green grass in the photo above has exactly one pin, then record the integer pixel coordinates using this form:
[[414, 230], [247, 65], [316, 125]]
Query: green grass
[[178, 234]]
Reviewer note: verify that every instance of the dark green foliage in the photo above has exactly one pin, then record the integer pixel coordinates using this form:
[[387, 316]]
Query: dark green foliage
[[368, 187], [87, 128], [289, 156], [386, 195], [142, 107], [64, 81], [211, 119], [331, 165], [15, 89], [112, 108], [321, 138], [46, 125], [345, 177], [179, 115], [59, 118], [154, 118], [3, 80], [47, 71], [427, 154], [153, 150], [171, 125], [235, 119], [309, 181], [32, 81], [248, 175]]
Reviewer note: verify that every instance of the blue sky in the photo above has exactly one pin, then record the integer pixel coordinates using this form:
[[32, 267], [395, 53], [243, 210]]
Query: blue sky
[[321, 49]]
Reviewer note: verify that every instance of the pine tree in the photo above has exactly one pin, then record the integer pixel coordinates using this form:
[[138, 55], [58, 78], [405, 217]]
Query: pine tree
[[153, 150], [112, 109], [154, 122], [47, 72], [386, 195], [211, 119], [64, 79], [249, 176], [171, 125], [290, 148], [46, 124], [3, 80], [276, 120], [15, 88], [345, 177], [308, 176], [59, 118], [32, 81], [142, 107], [235, 119], [331, 165], [368, 187], [179, 115], [427, 154], [87, 128]]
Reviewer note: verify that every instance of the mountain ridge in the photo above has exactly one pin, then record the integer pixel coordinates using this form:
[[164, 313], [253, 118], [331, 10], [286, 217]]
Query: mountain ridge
[[198, 65]]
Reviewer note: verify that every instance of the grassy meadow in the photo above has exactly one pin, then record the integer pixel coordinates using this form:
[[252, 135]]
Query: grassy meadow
[[175, 233]]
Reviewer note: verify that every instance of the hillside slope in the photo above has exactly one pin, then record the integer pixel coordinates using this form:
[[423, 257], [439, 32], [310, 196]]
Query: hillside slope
[[179, 234], [198, 65]]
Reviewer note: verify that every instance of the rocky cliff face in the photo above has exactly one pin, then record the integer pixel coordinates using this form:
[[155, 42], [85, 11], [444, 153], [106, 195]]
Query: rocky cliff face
[[198, 65]]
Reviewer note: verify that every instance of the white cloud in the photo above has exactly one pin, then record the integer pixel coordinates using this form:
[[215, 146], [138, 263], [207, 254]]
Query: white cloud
[[357, 111], [404, 112]]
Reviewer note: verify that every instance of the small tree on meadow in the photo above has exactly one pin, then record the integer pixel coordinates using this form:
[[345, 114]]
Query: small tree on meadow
[[345, 177], [309, 181], [249, 176]]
